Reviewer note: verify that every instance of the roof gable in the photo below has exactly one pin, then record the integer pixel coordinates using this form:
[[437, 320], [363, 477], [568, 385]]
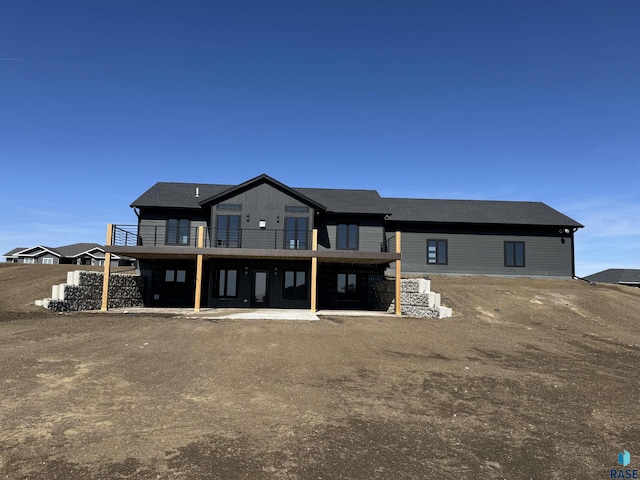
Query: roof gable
[[77, 249], [37, 251], [259, 180]]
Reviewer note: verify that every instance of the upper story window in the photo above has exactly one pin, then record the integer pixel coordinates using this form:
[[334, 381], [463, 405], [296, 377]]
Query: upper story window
[[296, 208], [296, 234], [437, 252], [514, 254], [347, 236], [229, 206], [178, 230], [228, 233]]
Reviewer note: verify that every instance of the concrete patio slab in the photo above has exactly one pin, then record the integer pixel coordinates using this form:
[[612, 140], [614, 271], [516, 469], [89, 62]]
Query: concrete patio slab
[[248, 313]]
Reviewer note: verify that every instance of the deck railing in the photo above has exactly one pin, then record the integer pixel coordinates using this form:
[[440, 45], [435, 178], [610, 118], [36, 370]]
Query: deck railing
[[389, 245], [125, 236], [160, 235]]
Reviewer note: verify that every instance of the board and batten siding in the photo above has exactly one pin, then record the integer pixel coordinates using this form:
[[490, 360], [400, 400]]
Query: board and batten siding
[[263, 202], [475, 253]]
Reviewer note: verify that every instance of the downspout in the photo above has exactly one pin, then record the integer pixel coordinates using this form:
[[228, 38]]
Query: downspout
[[573, 255], [573, 261]]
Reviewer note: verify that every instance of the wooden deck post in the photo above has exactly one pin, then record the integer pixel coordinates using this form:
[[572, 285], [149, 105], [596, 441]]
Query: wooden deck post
[[196, 307], [398, 273], [107, 271], [314, 271]]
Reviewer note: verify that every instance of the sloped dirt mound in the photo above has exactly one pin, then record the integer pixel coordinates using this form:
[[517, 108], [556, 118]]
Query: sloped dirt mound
[[531, 378]]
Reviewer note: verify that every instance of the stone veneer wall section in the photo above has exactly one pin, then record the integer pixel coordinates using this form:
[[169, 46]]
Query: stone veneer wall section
[[416, 299], [83, 291]]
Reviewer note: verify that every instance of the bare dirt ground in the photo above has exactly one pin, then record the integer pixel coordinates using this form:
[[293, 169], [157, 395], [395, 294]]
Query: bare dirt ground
[[531, 379]]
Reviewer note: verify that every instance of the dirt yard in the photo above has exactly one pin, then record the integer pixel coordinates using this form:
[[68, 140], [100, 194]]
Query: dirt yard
[[531, 379]]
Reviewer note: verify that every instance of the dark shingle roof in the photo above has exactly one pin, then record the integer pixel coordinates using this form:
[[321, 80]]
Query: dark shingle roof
[[347, 201], [182, 195], [616, 275], [177, 195], [476, 211], [76, 249], [14, 251]]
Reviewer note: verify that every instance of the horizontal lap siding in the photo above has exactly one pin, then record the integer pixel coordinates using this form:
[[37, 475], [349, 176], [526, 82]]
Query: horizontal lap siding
[[152, 227], [370, 233], [484, 254]]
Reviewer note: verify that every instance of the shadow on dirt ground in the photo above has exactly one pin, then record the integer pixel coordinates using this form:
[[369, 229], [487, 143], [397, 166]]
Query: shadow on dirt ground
[[530, 379]]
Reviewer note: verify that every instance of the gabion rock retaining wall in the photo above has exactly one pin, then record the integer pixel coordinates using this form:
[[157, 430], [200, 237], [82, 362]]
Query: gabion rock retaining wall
[[83, 291], [416, 299]]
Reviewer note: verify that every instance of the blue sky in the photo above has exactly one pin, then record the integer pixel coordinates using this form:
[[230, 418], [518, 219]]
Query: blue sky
[[501, 100]]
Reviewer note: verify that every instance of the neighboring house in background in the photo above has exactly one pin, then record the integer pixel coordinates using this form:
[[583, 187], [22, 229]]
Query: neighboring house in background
[[252, 244], [78, 253], [622, 276]]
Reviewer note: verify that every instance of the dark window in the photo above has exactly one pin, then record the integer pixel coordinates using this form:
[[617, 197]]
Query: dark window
[[295, 208], [175, 276], [227, 284], [347, 283], [514, 254], [295, 285], [296, 234], [229, 206], [178, 231], [437, 252], [347, 236], [228, 231]]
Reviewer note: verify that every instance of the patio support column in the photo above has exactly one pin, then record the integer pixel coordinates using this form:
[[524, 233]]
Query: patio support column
[[398, 273], [107, 271], [314, 271], [198, 299]]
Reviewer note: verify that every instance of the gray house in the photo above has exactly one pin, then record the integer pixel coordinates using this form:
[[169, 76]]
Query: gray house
[[263, 243], [77, 253], [621, 276]]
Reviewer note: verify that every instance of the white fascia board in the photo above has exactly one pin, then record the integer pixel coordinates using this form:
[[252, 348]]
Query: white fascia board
[[37, 254], [88, 252]]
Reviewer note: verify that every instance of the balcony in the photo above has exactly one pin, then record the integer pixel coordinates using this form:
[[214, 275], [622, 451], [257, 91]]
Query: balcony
[[159, 242], [160, 236]]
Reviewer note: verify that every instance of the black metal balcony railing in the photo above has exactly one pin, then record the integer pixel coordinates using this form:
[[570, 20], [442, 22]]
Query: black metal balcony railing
[[125, 236], [389, 245], [160, 235]]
